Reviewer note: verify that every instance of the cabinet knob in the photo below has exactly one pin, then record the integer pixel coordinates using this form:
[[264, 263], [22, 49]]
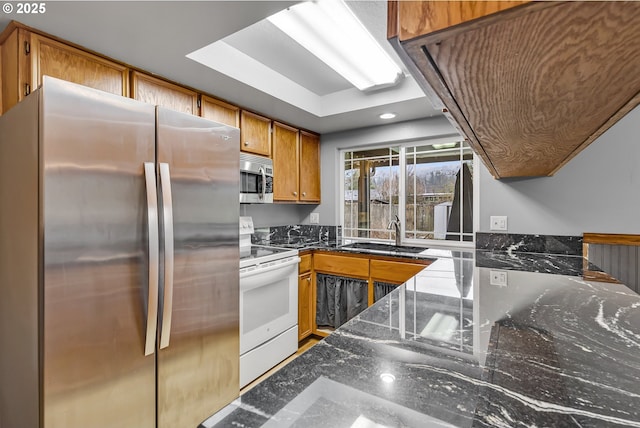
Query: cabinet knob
[[246, 143], [304, 193], [295, 193], [309, 279]]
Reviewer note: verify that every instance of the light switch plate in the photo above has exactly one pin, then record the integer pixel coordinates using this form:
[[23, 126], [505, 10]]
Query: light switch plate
[[498, 277], [314, 218], [498, 222]]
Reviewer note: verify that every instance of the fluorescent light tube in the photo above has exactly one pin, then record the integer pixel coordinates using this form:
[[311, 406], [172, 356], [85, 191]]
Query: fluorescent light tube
[[329, 30]]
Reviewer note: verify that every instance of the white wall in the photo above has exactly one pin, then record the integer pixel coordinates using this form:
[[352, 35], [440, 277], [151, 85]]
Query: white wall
[[330, 144], [597, 191], [277, 214]]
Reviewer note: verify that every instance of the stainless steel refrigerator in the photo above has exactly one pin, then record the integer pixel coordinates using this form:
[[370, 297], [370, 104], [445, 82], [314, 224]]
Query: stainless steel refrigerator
[[118, 263]]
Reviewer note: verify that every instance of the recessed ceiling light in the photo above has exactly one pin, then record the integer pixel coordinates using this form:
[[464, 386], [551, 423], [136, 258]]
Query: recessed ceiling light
[[387, 377], [387, 115], [444, 146]]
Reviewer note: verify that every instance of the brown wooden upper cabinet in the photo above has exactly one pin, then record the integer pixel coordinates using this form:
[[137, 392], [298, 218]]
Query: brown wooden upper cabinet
[[296, 165], [27, 56], [219, 111], [309, 167], [160, 92], [529, 84], [286, 152], [255, 134]]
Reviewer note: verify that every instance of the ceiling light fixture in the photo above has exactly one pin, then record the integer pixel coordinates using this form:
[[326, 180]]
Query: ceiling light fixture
[[444, 146], [329, 30], [387, 116], [387, 377]]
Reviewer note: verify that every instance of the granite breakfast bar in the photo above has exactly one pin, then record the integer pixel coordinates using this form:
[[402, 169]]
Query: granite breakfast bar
[[448, 348]]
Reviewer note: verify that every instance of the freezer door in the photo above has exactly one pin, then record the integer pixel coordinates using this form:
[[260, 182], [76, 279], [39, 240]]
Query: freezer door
[[198, 357], [96, 270]]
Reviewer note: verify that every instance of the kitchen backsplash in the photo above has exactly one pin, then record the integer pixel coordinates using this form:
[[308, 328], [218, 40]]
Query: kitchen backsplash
[[297, 234], [549, 244]]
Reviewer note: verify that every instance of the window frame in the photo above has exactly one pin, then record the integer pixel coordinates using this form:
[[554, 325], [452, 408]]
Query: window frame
[[402, 178]]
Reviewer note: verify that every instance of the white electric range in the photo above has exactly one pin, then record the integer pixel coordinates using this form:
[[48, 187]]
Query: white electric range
[[268, 306]]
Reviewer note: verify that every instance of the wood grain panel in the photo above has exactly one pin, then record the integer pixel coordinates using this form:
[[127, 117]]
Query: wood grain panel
[[156, 91], [255, 133], [1, 79], [617, 255], [305, 264], [424, 17], [309, 167], [610, 239], [219, 111], [305, 323], [55, 59], [394, 272], [392, 18], [354, 267], [9, 70], [533, 88], [15, 69], [286, 153]]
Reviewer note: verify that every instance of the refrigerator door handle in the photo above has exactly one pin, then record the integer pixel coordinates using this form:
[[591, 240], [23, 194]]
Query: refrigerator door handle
[[167, 221], [152, 233]]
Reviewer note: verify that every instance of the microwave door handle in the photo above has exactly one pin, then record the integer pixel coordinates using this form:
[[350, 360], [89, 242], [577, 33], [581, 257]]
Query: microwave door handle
[[167, 222], [152, 235], [264, 183]]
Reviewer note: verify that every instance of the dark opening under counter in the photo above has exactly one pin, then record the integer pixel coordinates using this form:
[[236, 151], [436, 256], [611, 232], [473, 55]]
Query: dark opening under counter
[[448, 348]]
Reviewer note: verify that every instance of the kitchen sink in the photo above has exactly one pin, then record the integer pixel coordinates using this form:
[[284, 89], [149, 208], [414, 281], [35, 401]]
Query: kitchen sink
[[379, 247]]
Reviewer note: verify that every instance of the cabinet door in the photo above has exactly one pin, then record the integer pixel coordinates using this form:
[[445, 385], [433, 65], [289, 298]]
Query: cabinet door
[[15, 78], [305, 322], [160, 92], [285, 163], [309, 167], [220, 112], [55, 59], [255, 134], [417, 18], [394, 272]]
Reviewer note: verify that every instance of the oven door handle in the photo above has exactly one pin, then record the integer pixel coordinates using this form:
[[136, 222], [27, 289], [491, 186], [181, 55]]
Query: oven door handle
[[266, 269]]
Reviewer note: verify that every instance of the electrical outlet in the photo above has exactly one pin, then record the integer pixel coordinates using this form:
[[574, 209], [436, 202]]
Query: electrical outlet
[[314, 218], [498, 222], [498, 277]]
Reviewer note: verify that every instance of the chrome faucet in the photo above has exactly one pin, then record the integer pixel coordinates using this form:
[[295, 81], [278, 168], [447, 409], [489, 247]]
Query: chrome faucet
[[396, 225]]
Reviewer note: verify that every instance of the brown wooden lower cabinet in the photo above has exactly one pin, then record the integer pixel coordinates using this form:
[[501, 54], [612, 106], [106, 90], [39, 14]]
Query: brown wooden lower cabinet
[[390, 272], [306, 297], [305, 316], [370, 268]]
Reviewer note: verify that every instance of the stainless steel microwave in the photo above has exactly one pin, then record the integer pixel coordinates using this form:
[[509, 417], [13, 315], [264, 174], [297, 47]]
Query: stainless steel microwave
[[256, 179]]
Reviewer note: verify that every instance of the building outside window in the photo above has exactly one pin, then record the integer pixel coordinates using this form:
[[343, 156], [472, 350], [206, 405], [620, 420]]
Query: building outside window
[[428, 185]]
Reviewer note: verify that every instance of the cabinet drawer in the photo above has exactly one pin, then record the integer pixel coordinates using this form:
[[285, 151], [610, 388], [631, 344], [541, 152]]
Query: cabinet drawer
[[341, 265], [395, 272], [305, 264]]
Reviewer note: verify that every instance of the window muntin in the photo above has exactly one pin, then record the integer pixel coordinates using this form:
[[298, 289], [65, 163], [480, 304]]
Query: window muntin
[[418, 182]]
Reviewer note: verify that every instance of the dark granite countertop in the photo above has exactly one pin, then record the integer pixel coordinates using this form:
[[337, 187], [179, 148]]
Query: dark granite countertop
[[547, 349], [344, 246]]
